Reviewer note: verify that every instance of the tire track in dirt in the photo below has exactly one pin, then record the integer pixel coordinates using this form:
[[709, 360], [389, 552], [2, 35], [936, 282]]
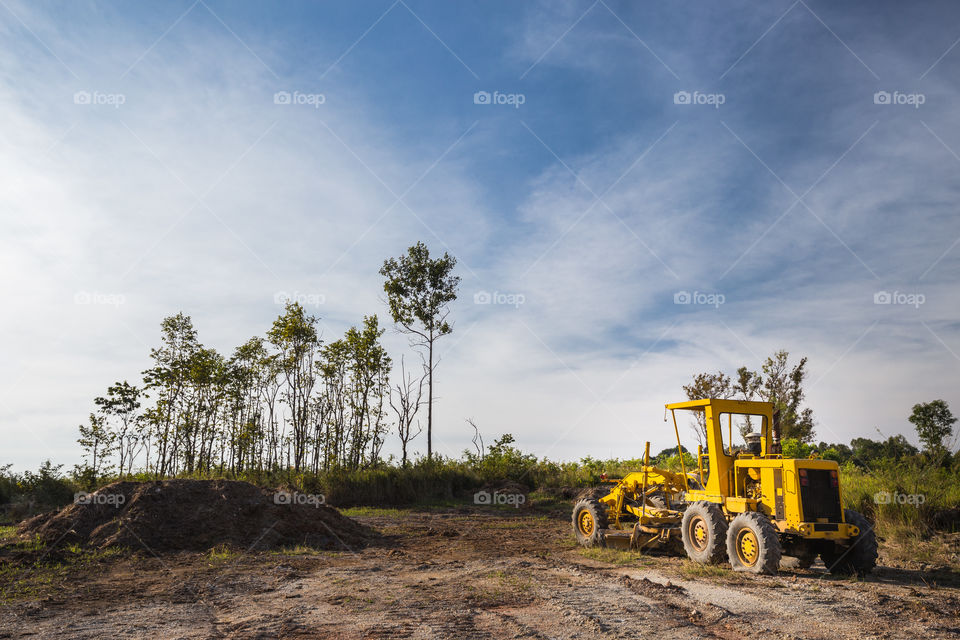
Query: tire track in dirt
[[475, 575]]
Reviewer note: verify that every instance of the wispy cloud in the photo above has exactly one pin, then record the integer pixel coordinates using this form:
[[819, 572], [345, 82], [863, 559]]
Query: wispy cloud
[[198, 161]]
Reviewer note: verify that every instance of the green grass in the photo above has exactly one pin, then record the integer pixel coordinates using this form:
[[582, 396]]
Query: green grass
[[512, 581], [935, 488], [7, 532], [35, 544], [905, 528], [29, 580], [519, 523], [691, 569], [616, 557], [303, 550], [569, 542], [222, 553], [21, 583], [383, 512]]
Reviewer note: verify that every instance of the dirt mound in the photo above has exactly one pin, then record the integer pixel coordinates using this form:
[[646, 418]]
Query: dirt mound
[[502, 493], [197, 515]]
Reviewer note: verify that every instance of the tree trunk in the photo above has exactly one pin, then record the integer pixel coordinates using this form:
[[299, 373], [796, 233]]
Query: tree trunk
[[430, 403]]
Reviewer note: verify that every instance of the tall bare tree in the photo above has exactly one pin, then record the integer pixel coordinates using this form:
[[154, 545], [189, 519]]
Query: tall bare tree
[[406, 399], [419, 290]]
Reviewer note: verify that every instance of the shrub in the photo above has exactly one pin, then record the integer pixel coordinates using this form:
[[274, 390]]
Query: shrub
[[48, 486]]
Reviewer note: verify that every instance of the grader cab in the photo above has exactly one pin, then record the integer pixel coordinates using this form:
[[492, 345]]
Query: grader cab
[[747, 505]]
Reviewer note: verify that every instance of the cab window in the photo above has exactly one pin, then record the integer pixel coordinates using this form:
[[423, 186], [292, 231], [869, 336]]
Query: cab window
[[733, 430]]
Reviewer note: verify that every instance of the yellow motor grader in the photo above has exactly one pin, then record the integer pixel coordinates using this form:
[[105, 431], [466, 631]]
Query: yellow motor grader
[[748, 505]]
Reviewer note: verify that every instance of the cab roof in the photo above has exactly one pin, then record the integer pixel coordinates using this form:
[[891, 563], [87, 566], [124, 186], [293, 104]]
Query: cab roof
[[751, 407]]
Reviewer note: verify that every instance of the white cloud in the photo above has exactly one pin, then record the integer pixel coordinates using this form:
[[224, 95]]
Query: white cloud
[[87, 207]]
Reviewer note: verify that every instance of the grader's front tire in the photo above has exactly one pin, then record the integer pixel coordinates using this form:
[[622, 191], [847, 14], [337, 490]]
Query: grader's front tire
[[703, 531], [589, 521], [753, 544], [860, 556]]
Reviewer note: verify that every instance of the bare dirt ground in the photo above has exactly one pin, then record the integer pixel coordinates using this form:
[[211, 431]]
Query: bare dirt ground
[[462, 573]]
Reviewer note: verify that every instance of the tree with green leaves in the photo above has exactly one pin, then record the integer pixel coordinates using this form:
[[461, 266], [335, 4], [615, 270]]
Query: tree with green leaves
[[864, 451], [934, 423], [783, 386], [707, 385], [294, 334], [121, 403], [98, 442], [369, 367], [777, 382], [169, 378], [419, 291], [333, 402], [747, 387], [246, 371]]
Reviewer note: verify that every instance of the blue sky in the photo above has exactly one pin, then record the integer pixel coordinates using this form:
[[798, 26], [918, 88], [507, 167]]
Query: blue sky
[[148, 169]]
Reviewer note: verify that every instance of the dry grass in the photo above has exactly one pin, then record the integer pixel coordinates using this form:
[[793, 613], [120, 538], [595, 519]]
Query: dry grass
[[381, 512], [616, 557], [904, 546], [691, 569]]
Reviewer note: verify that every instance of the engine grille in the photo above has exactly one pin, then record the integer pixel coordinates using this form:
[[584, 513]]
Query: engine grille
[[819, 499]]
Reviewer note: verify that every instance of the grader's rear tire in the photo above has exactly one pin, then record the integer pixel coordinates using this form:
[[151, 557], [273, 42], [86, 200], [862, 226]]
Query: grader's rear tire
[[589, 521], [860, 556], [753, 545], [704, 531]]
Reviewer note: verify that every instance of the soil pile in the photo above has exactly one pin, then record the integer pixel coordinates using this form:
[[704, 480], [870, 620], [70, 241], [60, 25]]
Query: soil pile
[[197, 515]]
